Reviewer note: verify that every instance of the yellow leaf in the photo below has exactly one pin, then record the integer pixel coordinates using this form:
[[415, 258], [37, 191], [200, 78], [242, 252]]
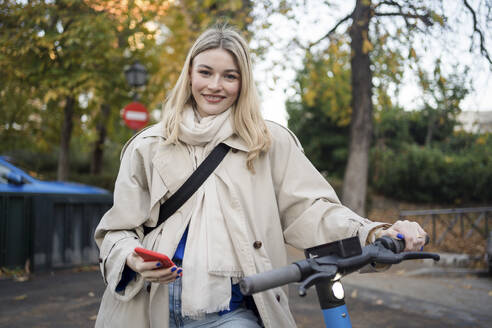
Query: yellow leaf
[[309, 97], [49, 95], [367, 46], [412, 54], [20, 297], [481, 141]]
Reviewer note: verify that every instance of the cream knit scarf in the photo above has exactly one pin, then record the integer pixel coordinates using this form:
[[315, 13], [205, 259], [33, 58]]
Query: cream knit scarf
[[210, 261]]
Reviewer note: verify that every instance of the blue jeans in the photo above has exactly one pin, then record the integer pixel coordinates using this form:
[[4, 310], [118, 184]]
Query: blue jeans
[[239, 318]]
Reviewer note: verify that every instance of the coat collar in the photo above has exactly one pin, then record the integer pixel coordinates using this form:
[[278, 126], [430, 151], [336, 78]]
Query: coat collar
[[233, 141], [236, 142], [173, 164], [172, 160]]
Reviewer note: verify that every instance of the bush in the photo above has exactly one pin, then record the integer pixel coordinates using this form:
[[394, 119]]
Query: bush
[[423, 174], [325, 143], [105, 181]]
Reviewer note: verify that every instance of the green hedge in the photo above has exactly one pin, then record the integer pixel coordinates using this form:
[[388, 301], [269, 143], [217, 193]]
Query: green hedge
[[423, 174]]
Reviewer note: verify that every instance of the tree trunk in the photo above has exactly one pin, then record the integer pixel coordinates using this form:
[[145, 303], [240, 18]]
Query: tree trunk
[[356, 172], [430, 128], [98, 151], [66, 134]]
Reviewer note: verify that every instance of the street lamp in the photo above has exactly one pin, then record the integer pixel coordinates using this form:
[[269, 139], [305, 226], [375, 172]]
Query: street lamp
[[136, 74], [135, 114]]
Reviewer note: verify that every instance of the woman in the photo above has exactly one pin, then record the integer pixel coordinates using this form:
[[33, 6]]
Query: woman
[[265, 193]]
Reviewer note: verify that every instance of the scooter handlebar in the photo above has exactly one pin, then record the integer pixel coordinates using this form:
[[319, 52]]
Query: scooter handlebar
[[294, 272], [270, 279]]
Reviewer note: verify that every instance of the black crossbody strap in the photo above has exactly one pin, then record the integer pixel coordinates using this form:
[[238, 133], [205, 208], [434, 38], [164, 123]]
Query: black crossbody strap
[[196, 179]]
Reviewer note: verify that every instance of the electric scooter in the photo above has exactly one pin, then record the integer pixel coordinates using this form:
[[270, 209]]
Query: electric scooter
[[325, 265]]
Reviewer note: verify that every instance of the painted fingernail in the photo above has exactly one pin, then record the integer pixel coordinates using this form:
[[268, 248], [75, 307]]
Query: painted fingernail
[[158, 264], [422, 248], [173, 269], [400, 236], [180, 270]]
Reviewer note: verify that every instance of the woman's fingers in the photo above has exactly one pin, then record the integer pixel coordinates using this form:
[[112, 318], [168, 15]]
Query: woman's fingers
[[152, 270], [411, 232], [137, 264], [148, 266], [164, 275]]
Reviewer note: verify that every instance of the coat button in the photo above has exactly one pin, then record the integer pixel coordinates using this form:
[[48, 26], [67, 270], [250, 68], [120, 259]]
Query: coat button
[[257, 244], [234, 150], [277, 297], [100, 260]]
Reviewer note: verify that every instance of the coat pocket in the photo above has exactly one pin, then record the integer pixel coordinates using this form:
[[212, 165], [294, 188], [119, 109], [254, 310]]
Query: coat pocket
[[116, 313]]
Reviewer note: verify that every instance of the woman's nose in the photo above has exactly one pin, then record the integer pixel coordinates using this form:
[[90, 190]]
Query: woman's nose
[[214, 83]]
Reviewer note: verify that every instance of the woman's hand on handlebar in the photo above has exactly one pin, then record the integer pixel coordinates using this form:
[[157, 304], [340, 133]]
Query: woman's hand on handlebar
[[411, 232], [152, 271]]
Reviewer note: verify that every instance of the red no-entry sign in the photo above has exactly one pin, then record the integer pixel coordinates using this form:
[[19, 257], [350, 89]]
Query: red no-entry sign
[[135, 115]]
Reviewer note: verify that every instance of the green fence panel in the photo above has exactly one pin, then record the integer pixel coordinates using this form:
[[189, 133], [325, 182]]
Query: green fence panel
[[15, 230], [52, 231]]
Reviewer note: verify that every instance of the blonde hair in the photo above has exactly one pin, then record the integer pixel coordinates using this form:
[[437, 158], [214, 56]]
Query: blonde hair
[[248, 122]]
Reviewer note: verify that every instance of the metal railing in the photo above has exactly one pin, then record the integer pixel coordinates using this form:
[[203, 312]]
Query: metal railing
[[470, 221]]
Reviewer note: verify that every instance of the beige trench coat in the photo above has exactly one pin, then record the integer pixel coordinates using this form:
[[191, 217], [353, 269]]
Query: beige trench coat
[[286, 201]]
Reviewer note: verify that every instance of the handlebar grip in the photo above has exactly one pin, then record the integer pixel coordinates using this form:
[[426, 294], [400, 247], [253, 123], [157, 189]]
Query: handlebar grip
[[270, 279], [398, 245]]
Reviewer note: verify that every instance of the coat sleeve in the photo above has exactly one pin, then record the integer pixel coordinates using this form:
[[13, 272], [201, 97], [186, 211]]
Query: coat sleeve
[[119, 230], [310, 211]]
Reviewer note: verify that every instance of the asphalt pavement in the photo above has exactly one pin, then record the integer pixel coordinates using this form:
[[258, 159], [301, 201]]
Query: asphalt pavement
[[408, 295]]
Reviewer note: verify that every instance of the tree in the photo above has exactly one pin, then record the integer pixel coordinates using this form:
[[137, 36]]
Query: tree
[[416, 17], [63, 62], [319, 115], [442, 104], [55, 48], [134, 36]]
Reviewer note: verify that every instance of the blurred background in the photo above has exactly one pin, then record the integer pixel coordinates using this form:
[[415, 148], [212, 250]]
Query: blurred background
[[391, 100]]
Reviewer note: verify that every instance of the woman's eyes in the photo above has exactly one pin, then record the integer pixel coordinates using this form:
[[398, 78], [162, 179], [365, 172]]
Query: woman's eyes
[[227, 76], [231, 76]]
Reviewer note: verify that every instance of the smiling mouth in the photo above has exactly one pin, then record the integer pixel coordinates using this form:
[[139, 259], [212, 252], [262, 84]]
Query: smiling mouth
[[213, 99]]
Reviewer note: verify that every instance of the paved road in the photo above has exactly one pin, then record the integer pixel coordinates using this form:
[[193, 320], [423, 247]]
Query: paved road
[[64, 299], [401, 297]]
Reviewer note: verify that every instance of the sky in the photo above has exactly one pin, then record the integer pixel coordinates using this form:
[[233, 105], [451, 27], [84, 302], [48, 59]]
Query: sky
[[315, 19]]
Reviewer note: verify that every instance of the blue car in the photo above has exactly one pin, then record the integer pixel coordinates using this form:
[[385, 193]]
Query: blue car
[[13, 179]]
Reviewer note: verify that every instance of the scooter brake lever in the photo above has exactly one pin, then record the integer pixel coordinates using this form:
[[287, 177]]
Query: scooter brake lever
[[419, 255], [311, 280]]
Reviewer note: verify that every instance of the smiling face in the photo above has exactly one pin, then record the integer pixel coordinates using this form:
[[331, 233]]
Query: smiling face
[[215, 81]]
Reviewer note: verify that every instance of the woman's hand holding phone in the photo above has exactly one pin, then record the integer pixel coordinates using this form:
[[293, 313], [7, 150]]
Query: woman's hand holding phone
[[151, 268]]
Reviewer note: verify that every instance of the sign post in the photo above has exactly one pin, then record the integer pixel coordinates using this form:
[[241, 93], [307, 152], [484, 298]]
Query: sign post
[[135, 115]]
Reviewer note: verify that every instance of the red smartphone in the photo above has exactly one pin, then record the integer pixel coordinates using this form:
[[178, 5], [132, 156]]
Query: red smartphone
[[149, 255]]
